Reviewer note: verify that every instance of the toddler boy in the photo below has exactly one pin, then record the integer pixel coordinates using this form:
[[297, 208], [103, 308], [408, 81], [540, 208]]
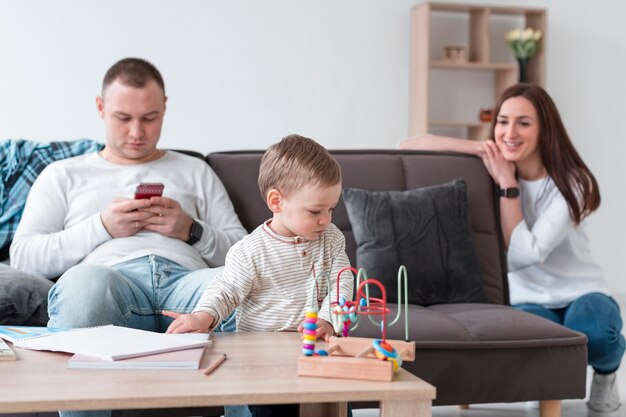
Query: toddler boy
[[277, 272]]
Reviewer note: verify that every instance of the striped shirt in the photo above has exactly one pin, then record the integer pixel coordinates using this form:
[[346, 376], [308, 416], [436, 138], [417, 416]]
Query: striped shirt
[[273, 279]]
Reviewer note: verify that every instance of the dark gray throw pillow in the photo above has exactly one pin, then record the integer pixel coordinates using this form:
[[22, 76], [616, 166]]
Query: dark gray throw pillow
[[424, 229]]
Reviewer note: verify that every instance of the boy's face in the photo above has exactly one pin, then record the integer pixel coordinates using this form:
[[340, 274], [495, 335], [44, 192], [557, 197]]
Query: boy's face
[[307, 212]]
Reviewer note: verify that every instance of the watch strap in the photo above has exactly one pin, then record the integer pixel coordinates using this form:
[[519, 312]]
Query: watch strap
[[511, 192]]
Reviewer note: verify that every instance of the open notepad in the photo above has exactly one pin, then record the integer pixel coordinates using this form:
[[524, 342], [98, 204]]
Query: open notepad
[[111, 342]]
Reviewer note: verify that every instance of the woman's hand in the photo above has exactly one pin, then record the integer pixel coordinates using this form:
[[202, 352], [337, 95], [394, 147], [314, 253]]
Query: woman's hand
[[501, 170]]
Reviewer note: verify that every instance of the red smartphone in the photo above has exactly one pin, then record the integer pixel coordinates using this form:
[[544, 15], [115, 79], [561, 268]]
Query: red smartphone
[[145, 190]]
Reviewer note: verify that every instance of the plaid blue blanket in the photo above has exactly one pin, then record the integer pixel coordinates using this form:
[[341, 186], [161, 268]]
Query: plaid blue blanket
[[21, 162]]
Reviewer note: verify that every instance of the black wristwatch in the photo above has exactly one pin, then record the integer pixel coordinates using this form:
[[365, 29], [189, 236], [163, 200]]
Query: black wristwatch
[[512, 192], [195, 234]]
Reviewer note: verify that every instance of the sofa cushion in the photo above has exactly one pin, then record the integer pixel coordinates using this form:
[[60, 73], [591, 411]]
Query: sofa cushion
[[424, 229], [468, 350]]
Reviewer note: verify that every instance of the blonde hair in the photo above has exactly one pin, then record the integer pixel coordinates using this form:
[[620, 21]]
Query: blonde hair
[[294, 162]]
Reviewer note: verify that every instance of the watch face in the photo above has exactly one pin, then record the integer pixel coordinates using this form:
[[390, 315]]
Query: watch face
[[195, 234], [196, 230]]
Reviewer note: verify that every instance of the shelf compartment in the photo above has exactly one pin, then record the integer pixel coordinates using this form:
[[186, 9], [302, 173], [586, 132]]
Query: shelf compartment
[[473, 65], [477, 22]]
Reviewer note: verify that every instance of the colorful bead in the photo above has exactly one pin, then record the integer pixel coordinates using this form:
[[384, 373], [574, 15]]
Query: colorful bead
[[309, 326], [337, 319], [352, 315], [342, 301], [385, 352]]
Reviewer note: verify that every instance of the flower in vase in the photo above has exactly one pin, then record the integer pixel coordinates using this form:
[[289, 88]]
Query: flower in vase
[[524, 43]]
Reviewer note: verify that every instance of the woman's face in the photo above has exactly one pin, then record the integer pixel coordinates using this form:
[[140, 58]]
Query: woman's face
[[517, 131]]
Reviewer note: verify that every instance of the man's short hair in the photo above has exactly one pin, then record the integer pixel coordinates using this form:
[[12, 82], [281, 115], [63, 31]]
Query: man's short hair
[[133, 72], [295, 162]]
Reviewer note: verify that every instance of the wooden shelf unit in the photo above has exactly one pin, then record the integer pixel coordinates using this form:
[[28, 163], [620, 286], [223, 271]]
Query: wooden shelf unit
[[479, 59]]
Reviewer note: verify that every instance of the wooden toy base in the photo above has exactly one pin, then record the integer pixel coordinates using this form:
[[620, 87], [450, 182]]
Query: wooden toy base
[[353, 358]]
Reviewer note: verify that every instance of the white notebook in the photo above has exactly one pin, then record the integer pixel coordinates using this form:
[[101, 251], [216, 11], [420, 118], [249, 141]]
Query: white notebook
[[180, 359], [111, 342]]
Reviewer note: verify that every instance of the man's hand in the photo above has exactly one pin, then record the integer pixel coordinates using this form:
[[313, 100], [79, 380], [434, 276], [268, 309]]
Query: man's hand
[[198, 322], [165, 216], [124, 217]]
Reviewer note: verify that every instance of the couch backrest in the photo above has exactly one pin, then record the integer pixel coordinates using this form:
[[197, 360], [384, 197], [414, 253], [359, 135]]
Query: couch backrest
[[381, 170]]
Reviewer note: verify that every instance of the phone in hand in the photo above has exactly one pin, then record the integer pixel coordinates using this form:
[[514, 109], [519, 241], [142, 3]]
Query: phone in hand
[[145, 190]]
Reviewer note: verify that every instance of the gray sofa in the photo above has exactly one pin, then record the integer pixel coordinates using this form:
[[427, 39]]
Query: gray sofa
[[472, 353]]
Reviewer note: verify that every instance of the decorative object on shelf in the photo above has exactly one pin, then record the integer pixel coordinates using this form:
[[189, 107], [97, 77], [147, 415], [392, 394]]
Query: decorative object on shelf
[[455, 53], [525, 44], [485, 114]]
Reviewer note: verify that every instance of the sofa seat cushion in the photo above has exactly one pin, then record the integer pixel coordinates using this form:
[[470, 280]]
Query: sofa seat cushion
[[476, 326], [464, 346]]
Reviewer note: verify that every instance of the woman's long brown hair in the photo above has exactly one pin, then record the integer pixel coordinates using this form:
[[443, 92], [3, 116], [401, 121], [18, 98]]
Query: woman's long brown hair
[[558, 155]]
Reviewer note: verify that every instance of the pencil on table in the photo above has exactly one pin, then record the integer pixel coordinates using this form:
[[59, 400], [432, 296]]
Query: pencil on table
[[215, 364]]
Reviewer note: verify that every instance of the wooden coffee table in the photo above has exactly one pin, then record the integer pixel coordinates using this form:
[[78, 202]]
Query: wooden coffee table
[[260, 369]]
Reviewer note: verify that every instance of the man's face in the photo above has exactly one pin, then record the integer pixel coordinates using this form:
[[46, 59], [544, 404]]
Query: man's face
[[133, 118]]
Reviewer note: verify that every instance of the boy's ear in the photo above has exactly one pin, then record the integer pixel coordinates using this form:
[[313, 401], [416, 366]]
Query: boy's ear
[[274, 200]]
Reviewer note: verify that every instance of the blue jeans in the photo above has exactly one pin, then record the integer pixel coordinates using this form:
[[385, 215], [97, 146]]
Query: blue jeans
[[130, 294], [598, 317]]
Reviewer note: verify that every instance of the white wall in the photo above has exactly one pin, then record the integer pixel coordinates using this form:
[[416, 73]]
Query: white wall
[[241, 74]]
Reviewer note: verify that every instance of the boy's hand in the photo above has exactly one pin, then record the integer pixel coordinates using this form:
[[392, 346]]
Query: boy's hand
[[324, 329], [198, 322]]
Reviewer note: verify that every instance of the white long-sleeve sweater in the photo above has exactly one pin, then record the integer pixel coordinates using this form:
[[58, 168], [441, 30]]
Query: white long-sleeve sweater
[[61, 225], [270, 279], [549, 260]]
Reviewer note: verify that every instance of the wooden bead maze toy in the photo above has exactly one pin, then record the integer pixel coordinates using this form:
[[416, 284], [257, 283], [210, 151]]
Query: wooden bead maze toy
[[357, 357]]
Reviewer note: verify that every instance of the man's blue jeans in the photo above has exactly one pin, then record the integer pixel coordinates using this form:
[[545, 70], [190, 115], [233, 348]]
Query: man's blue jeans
[[597, 316], [130, 294]]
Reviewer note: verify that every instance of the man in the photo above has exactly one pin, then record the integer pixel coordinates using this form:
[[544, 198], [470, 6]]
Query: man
[[122, 260]]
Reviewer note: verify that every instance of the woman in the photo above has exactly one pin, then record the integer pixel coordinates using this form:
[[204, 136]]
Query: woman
[[547, 191]]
